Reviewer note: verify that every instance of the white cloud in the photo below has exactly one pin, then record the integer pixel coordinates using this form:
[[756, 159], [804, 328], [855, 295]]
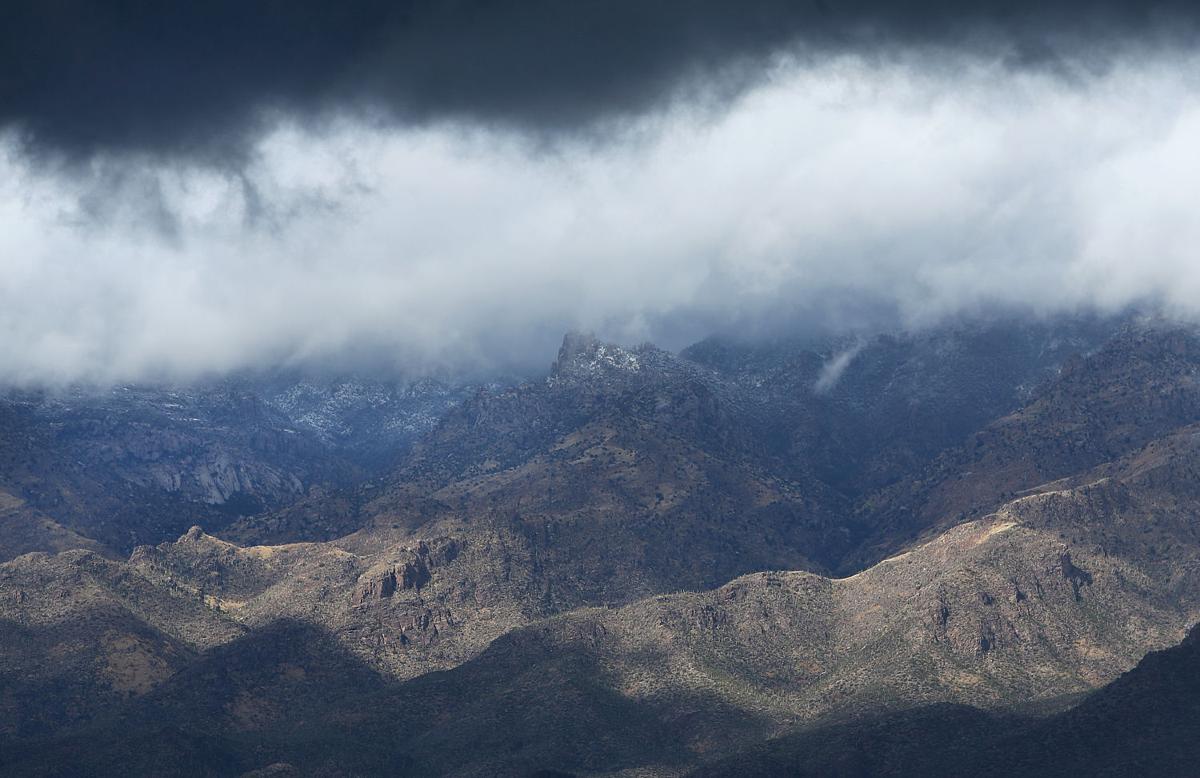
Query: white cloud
[[921, 188], [832, 370]]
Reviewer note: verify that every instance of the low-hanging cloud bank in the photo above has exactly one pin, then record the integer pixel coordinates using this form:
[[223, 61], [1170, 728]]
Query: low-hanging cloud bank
[[843, 192]]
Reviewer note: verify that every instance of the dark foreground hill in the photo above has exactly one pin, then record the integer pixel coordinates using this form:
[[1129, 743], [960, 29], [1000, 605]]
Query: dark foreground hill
[[672, 682], [1147, 722]]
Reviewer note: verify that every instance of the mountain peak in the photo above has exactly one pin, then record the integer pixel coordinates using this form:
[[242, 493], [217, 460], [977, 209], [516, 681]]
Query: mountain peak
[[574, 344], [584, 354]]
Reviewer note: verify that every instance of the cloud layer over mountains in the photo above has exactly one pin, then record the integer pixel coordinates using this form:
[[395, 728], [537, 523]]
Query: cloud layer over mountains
[[415, 193]]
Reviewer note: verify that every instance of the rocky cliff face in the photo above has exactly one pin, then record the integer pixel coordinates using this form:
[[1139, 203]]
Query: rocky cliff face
[[134, 465]]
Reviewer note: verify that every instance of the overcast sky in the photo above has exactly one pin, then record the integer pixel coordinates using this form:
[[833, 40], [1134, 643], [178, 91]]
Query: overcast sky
[[457, 185]]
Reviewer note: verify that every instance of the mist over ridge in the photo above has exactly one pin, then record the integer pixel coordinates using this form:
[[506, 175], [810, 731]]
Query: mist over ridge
[[840, 196]]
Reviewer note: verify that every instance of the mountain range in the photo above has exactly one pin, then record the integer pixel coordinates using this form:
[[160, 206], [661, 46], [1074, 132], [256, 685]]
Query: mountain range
[[968, 549]]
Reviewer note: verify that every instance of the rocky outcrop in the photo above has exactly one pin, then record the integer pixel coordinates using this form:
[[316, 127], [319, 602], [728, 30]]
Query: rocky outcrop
[[408, 573]]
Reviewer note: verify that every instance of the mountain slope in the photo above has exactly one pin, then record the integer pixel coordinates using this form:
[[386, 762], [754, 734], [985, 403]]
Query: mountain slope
[[868, 411], [1147, 722], [1142, 385], [621, 475]]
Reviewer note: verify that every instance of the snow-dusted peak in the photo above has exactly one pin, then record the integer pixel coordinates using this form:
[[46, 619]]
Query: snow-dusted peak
[[583, 355]]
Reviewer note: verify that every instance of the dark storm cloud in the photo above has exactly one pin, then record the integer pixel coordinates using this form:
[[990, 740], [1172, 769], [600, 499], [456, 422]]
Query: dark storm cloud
[[200, 79]]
